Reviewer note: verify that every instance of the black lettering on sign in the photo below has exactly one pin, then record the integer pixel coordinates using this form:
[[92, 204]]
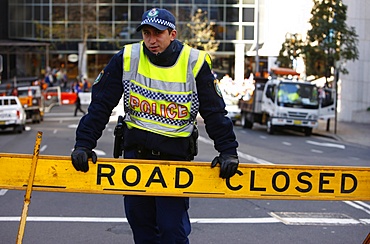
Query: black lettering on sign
[[323, 182], [252, 187], [234, 188], [124, 175], [107, 175], [303, 181], [343, 183], [177, 179], [156, 171], [274, 179]]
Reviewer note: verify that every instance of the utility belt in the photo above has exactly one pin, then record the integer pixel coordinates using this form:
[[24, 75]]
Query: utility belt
[[147, 152]]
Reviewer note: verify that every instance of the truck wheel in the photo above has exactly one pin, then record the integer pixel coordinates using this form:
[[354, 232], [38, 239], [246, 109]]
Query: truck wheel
[[18, 129], [36, 118], [245, 122], [307, 131], [270, 127]]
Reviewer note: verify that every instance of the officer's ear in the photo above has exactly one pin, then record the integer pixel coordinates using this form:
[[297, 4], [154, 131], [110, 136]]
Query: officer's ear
[[173, 33]]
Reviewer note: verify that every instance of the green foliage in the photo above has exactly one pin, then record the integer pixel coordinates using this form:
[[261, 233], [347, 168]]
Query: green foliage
[[290, 50], [328, 41]]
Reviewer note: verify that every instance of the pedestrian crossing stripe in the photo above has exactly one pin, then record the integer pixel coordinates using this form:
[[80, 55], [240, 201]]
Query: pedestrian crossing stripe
[[186, 179]]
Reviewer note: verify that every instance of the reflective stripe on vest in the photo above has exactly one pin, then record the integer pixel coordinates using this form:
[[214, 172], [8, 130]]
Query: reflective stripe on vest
[[161, 100]]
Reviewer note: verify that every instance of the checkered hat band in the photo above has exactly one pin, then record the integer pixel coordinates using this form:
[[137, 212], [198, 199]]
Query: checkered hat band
[[159, 21]]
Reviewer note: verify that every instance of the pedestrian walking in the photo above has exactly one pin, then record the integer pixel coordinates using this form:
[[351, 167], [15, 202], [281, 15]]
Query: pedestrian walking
[[78, 105], [164, 84]]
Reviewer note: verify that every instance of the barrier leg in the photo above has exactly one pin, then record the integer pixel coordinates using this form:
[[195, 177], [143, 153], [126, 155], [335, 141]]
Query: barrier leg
[[27, 197], [367, 240]]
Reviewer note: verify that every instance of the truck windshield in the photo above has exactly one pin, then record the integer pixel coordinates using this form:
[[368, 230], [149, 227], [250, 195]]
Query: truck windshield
[[299, 95]]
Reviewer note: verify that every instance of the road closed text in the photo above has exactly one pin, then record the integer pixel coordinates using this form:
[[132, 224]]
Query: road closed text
[[248, 181]]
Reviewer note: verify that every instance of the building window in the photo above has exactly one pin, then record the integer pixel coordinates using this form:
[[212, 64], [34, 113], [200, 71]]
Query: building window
[[248, 32], [232, 14], [248, 14]]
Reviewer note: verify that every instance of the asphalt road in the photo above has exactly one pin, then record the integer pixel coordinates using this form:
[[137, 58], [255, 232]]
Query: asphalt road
[[92, 218]]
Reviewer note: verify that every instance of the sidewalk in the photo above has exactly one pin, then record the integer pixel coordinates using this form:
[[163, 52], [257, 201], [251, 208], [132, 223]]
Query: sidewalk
[[358, 133]]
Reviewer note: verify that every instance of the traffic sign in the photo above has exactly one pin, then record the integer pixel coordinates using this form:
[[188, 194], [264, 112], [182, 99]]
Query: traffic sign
[[187, 179]]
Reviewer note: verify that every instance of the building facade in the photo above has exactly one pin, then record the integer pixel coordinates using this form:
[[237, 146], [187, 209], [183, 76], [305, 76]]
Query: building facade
[[106, 25], [355, 87]]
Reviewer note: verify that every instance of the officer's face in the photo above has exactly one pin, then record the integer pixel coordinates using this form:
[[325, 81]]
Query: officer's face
[[156, 40]]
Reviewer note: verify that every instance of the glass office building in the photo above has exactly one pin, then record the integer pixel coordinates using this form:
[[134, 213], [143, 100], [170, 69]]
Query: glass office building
[[61, 23]]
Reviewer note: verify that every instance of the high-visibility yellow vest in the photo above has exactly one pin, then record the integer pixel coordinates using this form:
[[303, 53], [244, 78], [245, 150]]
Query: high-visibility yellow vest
[[161, 100]]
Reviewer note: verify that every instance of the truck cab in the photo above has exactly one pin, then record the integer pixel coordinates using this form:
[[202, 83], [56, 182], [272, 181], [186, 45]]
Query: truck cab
[[291, 104], [281, 103]]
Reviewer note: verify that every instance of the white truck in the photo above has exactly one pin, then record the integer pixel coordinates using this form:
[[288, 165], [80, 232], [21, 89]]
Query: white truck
[[281, 103], [12, 114]]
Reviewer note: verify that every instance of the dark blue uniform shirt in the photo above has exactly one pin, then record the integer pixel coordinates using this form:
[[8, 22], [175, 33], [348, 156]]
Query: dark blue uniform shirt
[[107, 92]]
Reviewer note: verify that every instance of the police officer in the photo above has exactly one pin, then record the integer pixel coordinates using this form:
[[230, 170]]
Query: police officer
[[164, 84]]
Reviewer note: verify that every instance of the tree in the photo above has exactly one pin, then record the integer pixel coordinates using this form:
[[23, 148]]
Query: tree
[[290, 50], [329, 40], [200, 33], [78, 21]]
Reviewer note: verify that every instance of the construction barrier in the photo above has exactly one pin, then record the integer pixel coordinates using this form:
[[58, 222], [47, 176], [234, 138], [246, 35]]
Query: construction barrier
[[186, 179]]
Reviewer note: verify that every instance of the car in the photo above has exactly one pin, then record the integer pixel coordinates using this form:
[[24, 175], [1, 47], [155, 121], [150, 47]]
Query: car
[[12, 114]]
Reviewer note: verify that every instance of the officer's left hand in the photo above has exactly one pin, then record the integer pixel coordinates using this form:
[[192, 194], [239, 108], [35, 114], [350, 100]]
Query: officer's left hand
[[80, 157], [228, 163]]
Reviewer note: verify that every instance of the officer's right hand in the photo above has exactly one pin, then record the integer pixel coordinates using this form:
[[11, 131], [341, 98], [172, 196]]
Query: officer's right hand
[[80, 157]]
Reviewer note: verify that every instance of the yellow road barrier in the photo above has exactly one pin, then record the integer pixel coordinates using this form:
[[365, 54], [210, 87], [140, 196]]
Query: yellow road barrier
[[190, 179]]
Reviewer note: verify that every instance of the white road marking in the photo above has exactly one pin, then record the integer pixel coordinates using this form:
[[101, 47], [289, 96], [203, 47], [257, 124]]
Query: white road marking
[[359, 205], [3, 191], [263, 220], [287, 143], [316, 151], [253, 159], [320, 221], [314, 218], [324, 144], [43, 148], [365, 221]]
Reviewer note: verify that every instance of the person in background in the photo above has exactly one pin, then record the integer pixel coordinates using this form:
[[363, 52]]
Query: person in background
[[177, 81], [78, 105]]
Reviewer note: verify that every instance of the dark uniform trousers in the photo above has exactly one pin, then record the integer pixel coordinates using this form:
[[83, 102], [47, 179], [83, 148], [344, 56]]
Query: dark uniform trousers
[[159, 219]]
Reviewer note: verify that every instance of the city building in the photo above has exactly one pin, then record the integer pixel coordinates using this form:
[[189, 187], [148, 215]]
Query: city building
[[106, 25]]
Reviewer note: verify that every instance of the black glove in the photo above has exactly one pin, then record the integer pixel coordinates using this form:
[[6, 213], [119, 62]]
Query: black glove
[[228, 163], [80, 157]]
